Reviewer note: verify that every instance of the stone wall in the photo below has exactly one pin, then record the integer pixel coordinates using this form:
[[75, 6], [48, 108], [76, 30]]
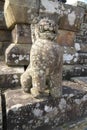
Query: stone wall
[[5, 35], [76, 58], [68, 18], [70, 35]]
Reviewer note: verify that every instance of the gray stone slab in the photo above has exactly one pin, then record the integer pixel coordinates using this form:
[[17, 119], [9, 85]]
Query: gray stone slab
[[26, 113], [5, 36], [80, 124], [69, 17], [20, 11], [22, 34], [81, 36], [80, 80], [17, 54], [10, 76], [74, 70], [1, 118], [3, 46], [76, 54], [82, 58], [70, 55], [2, 19]]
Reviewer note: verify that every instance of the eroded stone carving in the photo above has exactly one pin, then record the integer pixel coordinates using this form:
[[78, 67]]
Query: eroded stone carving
[[44, 73]]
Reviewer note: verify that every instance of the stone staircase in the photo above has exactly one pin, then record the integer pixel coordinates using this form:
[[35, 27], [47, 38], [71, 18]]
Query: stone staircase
[[9, 76], [15, 45]]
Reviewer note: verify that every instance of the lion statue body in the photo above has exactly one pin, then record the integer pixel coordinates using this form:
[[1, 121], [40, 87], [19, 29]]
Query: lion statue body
[[44, 73]]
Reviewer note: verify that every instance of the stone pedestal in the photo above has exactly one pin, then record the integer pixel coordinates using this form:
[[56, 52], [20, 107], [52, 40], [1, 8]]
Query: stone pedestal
[[26, 113]]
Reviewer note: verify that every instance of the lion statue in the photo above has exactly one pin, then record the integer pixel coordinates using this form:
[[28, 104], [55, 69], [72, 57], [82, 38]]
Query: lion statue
[[44, 73]]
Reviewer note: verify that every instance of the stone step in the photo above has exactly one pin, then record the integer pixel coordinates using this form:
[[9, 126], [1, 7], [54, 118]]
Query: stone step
[[80, 80], [74, 70], [80, 124], [25, 112], [1, 118], [82, 58], [9, 76]]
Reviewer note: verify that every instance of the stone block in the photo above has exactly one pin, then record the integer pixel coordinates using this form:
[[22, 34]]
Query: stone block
[[81, 4], [3, 46], [70, 55], [68, 17], [66, 38], [81, 36], [50, 9], [82, 58], [5, 36], [2, 19], [20, 11], [21, 34], [17, 54], [80, 80], [1, 118], [74, 70], [10, 76], [72, 18], [26, 113], [80, 47]]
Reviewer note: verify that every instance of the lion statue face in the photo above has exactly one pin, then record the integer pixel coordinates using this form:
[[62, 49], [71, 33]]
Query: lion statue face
[[46, 29]]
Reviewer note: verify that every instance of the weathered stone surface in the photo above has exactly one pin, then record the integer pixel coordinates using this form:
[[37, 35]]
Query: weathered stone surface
[[74, 70], [66, 38], [80, 80], [3, 46], [20, 11], [9, 76], [69, 17], [45, 62], [80, 47], [81, 4], [5, 36], [81, 36], [75, 55], [70, 55], [2, 19], [21, 34], [1, 118], [82, 58], [52, 11], [80, 124], [72, 18], [17, 54], [25, 112]]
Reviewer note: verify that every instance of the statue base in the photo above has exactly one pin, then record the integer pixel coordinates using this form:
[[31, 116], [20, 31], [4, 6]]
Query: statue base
[[24, 112]]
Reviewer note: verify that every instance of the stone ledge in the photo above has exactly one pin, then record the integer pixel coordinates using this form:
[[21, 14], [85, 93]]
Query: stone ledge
[[25, 112], [9, 76], [1, 122], [17, 54], [74, 70]]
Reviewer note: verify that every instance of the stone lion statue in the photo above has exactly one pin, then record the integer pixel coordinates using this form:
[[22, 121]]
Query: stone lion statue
[[44, 73]]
